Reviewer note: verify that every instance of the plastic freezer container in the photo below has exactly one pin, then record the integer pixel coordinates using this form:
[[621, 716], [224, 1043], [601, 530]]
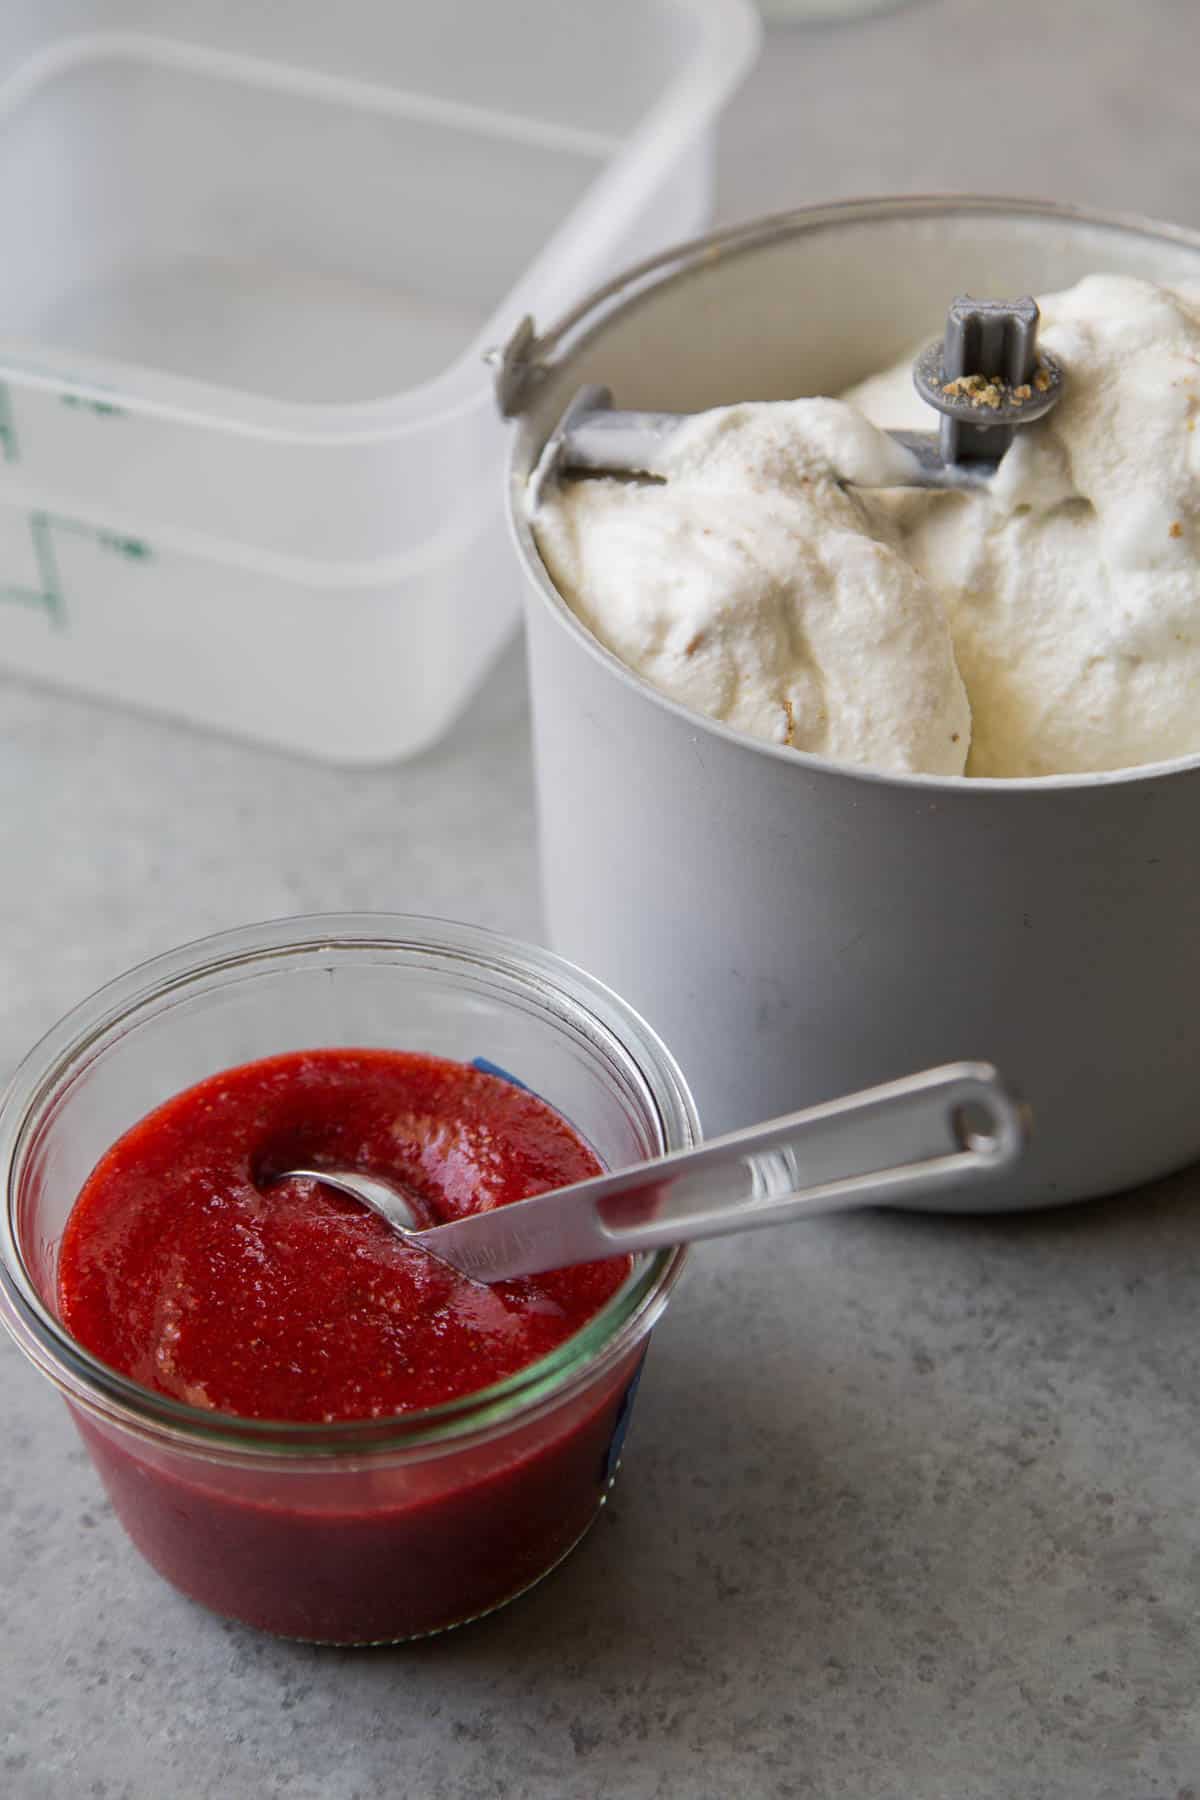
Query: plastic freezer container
[[250, 462]]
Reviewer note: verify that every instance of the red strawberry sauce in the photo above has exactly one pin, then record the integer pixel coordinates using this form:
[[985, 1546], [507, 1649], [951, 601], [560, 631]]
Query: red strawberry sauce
[[187, 1269]]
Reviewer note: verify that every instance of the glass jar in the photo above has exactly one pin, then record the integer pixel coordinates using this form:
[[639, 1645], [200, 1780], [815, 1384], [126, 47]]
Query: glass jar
[[363, 1531]]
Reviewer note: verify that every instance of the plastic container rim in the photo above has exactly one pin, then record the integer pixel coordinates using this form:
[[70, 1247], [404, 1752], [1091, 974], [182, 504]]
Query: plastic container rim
[[731, 33], [554, 986]]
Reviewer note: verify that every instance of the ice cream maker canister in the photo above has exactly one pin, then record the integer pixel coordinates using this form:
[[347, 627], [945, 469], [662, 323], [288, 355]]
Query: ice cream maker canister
[[797, 929]]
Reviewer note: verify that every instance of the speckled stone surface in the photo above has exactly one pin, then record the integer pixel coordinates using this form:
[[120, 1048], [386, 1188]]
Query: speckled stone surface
[[909, 1507]]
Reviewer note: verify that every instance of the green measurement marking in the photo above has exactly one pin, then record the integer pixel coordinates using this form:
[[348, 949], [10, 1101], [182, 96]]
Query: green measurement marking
[[47, 562], [136, 549], [49, 595], [8, 431], [103, 409]]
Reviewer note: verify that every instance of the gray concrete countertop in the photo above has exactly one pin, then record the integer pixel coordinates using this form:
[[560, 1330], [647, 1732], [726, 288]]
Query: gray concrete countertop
[[909, 1509]]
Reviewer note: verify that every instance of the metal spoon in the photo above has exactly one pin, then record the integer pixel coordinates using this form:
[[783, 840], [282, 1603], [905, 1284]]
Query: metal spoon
[[994, 340], [887, 1145]]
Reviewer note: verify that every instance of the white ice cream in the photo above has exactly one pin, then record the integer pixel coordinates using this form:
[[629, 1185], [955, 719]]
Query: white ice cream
[[755, 589], [1073, 587]]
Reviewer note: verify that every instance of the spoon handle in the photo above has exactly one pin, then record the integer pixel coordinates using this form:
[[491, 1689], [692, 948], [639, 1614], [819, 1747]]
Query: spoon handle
[[886, 1146]]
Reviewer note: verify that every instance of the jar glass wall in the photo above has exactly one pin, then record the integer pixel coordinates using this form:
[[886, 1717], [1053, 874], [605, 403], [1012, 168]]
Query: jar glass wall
[[364, 1531]]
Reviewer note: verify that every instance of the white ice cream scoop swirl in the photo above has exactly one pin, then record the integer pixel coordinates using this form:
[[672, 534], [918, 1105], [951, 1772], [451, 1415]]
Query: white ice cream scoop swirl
[[753, 588], [1073, 586]]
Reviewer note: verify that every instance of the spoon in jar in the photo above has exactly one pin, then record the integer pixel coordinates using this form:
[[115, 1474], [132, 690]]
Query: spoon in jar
[[891, 1145]]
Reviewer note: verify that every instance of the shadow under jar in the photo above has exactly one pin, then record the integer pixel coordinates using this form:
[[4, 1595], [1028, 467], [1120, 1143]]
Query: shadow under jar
[[365, 1531]]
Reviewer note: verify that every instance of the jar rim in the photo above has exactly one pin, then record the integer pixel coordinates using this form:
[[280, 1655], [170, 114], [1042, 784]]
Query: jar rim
[[555, 984]]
